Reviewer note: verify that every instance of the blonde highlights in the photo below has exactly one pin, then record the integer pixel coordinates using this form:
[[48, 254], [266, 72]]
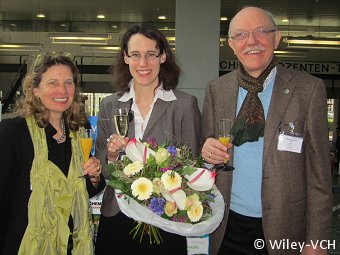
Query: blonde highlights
[[29, 104]]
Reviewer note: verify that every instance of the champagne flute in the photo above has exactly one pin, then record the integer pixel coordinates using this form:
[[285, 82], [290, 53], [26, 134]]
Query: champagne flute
[[86, 142], [224, 136], [121, 120]]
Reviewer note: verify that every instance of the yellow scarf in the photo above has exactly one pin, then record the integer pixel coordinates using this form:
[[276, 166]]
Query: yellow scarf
[[53, 199]]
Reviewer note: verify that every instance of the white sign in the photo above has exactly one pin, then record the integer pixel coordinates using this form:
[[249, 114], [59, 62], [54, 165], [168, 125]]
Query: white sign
[[96, 203]]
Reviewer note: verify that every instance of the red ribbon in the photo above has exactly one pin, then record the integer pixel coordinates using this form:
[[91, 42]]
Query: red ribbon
[[197, 176]]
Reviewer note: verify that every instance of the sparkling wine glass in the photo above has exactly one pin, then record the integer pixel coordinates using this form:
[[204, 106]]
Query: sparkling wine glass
[[224, 136], [86, 142], [121, 120]]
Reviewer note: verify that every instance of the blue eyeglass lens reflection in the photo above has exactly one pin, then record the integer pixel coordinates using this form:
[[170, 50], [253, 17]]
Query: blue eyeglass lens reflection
[[149, 56], [259, 33]]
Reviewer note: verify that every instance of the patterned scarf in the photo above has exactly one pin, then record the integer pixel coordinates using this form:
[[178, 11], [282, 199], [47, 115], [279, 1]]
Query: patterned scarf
[[249, 123]]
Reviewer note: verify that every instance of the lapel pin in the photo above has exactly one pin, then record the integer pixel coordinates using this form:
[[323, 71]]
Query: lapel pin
[[286, 91]]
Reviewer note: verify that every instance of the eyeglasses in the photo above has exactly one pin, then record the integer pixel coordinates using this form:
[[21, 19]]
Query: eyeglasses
[[258, 34], [149, 56]]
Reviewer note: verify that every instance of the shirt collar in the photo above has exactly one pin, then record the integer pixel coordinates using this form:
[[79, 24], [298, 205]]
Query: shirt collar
[[159, 93]]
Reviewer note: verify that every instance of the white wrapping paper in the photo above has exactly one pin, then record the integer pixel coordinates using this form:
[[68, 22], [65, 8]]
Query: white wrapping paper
[[140, 213]]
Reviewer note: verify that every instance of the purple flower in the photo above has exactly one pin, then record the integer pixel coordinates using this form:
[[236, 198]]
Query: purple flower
[[157, 205], [152, 142], [164, 169], [172, 150], [179, 219]]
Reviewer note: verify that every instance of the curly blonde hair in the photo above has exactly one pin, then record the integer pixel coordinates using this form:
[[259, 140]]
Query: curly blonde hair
[[29, 104]]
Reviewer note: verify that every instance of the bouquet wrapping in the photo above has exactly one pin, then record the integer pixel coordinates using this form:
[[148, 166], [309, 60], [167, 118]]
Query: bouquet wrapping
[[162, 186], [140, 213]]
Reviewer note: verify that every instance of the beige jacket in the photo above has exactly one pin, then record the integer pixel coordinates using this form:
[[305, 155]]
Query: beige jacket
[[296, 188]]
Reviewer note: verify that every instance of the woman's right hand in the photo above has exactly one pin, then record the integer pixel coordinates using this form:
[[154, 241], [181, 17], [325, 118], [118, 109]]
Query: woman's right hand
[[114, 145]]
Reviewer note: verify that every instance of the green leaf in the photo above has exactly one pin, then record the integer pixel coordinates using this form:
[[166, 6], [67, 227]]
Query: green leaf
[[116, 184], [188, 170]]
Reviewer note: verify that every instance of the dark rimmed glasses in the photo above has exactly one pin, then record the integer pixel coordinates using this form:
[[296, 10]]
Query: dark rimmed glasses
[[149, 56]]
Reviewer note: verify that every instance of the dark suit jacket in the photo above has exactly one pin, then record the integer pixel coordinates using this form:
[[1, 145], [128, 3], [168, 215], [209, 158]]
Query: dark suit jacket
[[178, 122], [296, 188]]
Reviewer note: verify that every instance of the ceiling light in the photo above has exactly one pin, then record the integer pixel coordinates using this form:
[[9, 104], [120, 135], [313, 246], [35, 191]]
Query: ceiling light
[[41, 15], [223, 18], [100, 49], [162, 17], [299, 53], [311, 42], [285, 20], [114, 26], [101, 16], [63, 25], [20, 46], [167, 29], [79, 38]]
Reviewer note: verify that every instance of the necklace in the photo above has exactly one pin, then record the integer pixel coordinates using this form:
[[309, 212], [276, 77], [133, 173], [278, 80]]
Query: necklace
[[61, 138]]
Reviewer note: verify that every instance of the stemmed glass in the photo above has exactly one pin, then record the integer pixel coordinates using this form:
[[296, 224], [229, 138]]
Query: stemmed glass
[[224, 136], [86, 142], [121, 120]]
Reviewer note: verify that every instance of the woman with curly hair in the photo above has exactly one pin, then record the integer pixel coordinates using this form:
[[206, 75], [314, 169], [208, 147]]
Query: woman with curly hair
[[45, 203]]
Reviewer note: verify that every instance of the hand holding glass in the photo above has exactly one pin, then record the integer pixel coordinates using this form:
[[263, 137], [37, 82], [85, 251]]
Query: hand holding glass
[[224, 128]]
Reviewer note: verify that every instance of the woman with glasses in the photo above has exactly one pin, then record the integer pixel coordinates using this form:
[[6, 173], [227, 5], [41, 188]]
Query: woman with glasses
[[145, 76]]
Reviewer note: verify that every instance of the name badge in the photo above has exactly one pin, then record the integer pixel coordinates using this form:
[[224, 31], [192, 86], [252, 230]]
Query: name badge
[[198, 245], [290, 143]]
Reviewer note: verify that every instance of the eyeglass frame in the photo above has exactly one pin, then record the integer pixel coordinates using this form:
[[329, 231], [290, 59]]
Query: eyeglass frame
[[246, 35], [146, 56]]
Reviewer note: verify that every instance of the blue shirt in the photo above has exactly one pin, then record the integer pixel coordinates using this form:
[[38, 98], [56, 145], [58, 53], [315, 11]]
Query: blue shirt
[[247, 176]]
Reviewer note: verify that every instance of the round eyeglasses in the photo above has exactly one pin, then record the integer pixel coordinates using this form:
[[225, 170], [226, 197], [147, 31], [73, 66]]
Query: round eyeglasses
[[149, 56], [258, 33]]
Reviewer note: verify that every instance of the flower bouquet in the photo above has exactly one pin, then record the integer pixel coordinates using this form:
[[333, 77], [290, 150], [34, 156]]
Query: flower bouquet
[[162, 186]]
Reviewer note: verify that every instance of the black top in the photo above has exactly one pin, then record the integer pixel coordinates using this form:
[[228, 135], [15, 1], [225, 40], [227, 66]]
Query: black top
[[16, 157], [59, 153]]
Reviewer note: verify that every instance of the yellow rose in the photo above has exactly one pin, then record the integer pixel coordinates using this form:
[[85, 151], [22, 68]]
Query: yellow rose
[[170, 208], [157, 183], [161, 155], [191, 201], [195, 213]]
